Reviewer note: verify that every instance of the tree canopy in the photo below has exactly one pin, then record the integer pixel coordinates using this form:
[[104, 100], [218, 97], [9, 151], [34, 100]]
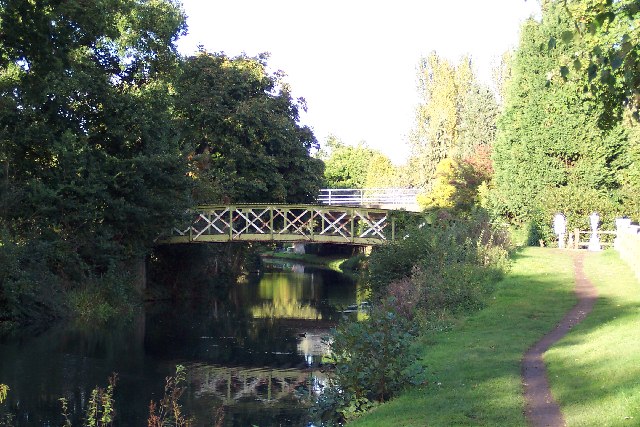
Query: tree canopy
[[107, 136], [241, 128], [553, 150]]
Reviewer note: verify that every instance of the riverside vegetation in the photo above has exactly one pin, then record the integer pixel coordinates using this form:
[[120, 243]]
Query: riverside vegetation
[[447, 266]]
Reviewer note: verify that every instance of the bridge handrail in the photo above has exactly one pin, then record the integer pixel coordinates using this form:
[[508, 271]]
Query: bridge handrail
[[368, 196]]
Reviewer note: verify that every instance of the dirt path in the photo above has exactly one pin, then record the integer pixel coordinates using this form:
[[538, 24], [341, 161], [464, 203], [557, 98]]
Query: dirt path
[[541, 408]]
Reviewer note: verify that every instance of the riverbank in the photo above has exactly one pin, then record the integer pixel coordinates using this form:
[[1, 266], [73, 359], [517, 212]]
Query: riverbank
[[473, 366]]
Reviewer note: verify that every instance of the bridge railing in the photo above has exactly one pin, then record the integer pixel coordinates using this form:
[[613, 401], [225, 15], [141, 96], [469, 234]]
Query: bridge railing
[[286, 223], [368, 196]]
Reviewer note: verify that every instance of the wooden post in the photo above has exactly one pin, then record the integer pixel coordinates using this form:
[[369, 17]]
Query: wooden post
[[353, 220], [271, 221], [577, 238], [393, 229], [313, 214], [230, 223]]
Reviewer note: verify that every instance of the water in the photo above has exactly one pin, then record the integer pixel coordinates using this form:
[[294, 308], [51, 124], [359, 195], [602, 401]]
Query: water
[[257, 353]]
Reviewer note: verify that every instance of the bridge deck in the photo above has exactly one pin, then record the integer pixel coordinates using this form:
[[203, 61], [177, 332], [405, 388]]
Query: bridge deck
[[286, 223]]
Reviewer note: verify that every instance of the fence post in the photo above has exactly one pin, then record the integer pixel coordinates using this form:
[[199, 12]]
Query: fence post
[[393, 228], [577, 238]]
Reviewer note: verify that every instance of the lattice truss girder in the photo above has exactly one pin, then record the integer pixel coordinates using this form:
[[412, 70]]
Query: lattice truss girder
[[305, 222]]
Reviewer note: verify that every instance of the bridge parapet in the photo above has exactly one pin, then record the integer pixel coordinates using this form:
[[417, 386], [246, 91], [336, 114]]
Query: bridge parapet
[[394, 198], [286, 223]]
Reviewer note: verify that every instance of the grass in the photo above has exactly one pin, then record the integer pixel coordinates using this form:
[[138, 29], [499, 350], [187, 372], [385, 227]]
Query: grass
[[474, 368], [594, 371]]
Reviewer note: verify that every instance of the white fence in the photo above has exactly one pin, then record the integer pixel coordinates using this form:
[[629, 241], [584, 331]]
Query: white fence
[[399, 197], [627, 243]]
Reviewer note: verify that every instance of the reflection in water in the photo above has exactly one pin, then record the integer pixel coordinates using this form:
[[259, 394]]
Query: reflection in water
[[255, 351]]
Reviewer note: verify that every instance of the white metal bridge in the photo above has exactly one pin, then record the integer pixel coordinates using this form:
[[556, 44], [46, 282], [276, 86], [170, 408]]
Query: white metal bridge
[[384, 198]]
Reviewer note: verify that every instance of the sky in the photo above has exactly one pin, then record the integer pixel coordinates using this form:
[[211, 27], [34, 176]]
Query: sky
[[355, 61]]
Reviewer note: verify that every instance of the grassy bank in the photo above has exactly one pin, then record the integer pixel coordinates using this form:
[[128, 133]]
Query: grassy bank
[[594, 370], [474, 368]]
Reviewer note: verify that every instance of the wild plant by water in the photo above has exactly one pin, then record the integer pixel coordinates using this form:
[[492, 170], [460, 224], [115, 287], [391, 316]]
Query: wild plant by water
[[168, 412], [374, 360], [101, 409]]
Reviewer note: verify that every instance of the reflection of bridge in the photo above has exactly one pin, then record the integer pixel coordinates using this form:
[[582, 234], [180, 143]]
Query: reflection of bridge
[[286, 223], [230, 385]]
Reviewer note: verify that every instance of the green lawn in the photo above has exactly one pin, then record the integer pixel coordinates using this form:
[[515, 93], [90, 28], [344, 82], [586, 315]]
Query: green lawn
[[474, 369], [595, 370]]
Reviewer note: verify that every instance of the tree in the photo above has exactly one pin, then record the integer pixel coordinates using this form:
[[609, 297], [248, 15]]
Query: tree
[[457, 115], [478, 121], [436, 117], [347, 166], [241, 126], [92, 170], [608, 63], [381, 173], [84, 122], [549, 145]]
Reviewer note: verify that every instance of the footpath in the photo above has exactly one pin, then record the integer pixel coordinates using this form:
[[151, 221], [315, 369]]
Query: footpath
[[541, 408]]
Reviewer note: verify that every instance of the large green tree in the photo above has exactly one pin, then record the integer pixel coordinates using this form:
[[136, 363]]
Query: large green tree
[[241, 126], [550, 154], [91, 163], [608, 62]]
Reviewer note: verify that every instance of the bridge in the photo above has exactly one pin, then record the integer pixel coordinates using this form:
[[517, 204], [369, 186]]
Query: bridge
[[286, 223], [383, 198], [347, 216]]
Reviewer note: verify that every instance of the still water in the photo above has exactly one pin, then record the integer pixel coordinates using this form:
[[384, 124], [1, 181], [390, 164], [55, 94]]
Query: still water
[[255, 353]]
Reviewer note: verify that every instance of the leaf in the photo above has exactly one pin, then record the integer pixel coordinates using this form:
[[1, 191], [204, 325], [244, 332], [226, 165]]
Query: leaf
[[567, 36], [616, 61], [577, 65], [592, 71]]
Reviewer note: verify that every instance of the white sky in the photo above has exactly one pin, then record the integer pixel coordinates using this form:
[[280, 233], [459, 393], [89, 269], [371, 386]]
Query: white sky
[[355, 61]]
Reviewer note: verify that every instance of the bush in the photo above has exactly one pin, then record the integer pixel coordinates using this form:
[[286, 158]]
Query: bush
[[374, 360], [438, 246]]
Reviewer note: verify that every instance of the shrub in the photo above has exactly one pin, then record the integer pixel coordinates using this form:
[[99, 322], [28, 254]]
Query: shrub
[[374, 360]]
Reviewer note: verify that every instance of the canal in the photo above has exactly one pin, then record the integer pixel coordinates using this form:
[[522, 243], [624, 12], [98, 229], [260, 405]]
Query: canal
[[256, 353]]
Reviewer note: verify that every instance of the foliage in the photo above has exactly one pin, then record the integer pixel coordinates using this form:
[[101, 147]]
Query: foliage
[[4, 389], [457, 251], [550, 150], [456, 185], [473, 362], [100, 408], [374, 360], [608, 62], [241, 127], [104, 298], [357, 166], [168, 412], [457, 115]]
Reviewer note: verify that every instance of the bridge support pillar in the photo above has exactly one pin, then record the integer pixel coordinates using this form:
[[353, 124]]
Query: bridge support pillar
[[299, 248], [137, 268]]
